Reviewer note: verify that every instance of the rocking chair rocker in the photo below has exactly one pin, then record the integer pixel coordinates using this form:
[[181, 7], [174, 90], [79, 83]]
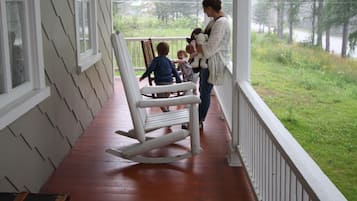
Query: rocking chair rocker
[[144, 123]]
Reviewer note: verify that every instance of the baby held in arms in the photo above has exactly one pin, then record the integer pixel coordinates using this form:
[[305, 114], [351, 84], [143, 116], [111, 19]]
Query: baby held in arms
[[197, 59]]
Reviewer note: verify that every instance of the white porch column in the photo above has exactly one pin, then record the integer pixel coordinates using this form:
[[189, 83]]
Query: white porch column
[[241, 66]]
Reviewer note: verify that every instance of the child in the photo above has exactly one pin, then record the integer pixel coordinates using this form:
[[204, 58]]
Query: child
[[186, 68], [163, 70], [198, 60]]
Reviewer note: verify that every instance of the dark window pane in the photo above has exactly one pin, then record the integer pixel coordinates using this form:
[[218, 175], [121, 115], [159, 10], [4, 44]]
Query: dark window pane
[[16, 24]]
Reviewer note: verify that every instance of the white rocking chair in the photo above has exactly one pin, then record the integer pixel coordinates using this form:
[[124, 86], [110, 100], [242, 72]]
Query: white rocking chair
[[144, 122]]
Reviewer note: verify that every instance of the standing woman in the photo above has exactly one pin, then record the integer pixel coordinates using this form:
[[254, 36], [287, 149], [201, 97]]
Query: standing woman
[[217, 49]]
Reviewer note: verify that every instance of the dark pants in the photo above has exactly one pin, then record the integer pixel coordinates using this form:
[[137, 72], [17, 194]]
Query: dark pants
[[205, 94]]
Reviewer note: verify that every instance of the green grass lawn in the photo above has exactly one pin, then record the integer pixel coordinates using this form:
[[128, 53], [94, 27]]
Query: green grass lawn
[[316, 103]]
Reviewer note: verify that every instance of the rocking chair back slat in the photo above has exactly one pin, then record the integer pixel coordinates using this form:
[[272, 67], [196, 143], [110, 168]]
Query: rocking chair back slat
[[149, 55], [130, 84]]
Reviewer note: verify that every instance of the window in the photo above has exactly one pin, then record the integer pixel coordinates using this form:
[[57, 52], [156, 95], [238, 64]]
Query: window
[[87, 37], [22, 80]]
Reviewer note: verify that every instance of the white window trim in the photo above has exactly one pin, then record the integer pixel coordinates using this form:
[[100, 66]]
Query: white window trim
[[16, 102], [89, 58]]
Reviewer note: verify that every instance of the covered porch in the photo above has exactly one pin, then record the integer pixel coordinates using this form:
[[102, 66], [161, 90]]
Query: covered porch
[[264, 161], [88, 173]]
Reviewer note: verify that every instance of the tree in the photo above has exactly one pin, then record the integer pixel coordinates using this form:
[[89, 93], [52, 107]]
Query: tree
[[261, 14], [327, 39], [319, 23], [340, 14], [162, 11], [313, 22], [325, 26], [293, 10], [280, 7], [118, 8], [173, 9]]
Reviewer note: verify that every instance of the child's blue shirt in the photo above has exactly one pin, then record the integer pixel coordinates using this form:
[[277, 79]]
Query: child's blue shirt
[[163, 70]]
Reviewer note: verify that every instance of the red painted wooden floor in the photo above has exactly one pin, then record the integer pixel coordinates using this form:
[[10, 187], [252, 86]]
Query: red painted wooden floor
[[90, 174]]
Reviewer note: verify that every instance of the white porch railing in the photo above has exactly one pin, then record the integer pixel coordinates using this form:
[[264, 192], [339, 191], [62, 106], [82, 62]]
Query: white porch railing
[[278, 167], [134, 45]]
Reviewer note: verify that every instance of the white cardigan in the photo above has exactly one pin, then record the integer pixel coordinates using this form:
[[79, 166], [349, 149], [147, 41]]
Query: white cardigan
[[218, 50]]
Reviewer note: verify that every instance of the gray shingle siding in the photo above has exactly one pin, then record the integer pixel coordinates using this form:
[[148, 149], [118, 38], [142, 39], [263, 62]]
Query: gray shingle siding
[[34, 145]]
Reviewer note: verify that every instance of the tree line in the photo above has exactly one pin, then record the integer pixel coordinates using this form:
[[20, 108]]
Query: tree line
[[319, 17], [165, 10]]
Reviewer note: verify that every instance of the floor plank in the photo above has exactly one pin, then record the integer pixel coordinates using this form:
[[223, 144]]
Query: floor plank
[[90, 174]]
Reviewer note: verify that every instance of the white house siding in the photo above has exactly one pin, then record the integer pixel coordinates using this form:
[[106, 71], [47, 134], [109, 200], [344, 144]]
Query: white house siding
[[34, 145]]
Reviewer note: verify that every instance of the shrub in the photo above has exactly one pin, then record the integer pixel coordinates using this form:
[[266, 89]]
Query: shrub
[[269, 48]]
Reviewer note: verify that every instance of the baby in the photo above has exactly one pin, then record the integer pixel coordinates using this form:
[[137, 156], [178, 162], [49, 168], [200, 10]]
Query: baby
[[197, 59], [185, 67]]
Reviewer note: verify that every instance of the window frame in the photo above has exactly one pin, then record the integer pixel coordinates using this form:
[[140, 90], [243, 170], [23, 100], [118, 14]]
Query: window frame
[[14, 102], [91, 56]]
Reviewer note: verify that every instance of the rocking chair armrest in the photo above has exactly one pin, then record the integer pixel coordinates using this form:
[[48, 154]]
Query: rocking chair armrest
[[180, 100], [183, 86]]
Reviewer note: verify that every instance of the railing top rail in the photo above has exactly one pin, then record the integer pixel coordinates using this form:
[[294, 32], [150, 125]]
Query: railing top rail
[[156, 38], [304, 166]]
